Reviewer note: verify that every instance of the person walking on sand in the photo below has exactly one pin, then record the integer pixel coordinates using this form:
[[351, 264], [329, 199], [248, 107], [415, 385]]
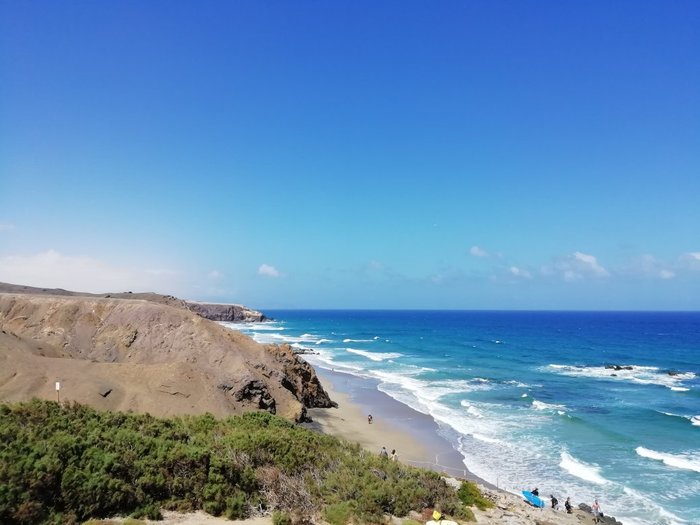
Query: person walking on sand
[[369, 419], [394, 455], [555, 501], [567, 505], [595, 508]]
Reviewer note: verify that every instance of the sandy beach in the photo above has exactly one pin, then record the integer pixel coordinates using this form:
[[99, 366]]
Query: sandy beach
[[415, 437]]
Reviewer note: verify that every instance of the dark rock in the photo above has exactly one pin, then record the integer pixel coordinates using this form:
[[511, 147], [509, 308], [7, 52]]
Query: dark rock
[[619, 367], [252, 392], [232, 313], [300, 378], [104, 391], [302, 351]]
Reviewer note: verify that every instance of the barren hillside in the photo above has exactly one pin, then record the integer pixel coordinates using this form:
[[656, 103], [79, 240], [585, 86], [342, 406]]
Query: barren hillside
[[146, 356]]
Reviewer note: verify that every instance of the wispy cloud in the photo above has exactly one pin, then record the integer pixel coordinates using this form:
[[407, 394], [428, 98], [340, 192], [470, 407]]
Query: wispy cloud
[[52, 269], [690, 261], [478, 252], [575, 267], [648, 266], [520, 272], [268, 271]]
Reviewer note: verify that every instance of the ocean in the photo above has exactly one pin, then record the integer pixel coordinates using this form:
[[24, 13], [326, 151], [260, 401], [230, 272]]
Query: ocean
[[579, 404]]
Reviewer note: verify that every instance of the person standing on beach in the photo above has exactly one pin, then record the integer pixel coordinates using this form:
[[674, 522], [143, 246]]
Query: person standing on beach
[[555, 501], [383, 453], [595, 508], [369, 419], [394, 455], [567, 505]]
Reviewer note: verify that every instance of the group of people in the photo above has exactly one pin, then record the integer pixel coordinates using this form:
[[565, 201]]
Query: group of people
[[384, 454], [595, 508]]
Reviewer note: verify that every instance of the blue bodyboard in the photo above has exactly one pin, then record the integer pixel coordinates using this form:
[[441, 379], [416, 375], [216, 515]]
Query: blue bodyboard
[[532, 499]]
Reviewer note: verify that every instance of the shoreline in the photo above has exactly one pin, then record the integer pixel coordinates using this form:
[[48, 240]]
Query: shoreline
[[418, 442], [414, 435]]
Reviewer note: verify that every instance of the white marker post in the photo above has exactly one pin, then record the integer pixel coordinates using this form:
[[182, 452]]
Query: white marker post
[[58, 391]]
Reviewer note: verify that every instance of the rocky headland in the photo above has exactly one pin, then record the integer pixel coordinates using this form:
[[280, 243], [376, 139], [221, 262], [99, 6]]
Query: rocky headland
[[147, 353]]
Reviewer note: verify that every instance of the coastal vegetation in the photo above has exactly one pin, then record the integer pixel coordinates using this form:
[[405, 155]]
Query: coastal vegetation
[[69, 463]]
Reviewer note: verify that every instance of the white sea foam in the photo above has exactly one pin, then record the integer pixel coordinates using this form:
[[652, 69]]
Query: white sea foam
[[693, 420], [358, 340], [374, 356], [539, 405], [581, 470], [471, 409], [651, 507], [257, 327], [524, 395], [321, 341], [682, 461], [645, 375]]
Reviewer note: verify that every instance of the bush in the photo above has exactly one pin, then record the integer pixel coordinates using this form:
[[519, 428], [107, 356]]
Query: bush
[[280, 518], [471, 496], [67, 464], [338, 513]]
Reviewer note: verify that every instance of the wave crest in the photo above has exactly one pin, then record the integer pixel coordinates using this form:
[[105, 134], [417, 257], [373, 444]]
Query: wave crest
[[374, 356], [581, 470], [681, 461], [644, 375]]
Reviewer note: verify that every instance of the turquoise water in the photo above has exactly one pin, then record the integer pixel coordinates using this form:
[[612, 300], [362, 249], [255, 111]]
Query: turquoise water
[[530, 398]]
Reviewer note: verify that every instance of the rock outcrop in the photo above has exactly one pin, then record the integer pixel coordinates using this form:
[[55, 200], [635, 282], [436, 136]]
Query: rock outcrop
[[146, 356], [233, 313]]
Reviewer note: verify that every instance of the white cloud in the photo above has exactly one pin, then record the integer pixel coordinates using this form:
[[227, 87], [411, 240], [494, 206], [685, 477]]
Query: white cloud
[[649, 266], [6, 227], [214, 275], [575, 267], [52, 269], [690, 260], [478, 252], [520, 272], [268, 271], [591, 263]]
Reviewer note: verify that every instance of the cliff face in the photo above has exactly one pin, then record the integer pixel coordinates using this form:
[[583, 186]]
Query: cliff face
[[226, 312], [146, 356]]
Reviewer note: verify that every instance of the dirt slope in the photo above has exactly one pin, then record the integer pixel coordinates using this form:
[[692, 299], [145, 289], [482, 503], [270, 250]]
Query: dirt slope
[[146, 356]]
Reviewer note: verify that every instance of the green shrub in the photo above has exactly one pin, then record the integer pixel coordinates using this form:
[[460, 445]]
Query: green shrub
[[151, 512], [66, 464], [470, 495], [338, 513], [280, 518]]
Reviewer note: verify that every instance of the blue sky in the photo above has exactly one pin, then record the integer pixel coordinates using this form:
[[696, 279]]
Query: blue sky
[[539, 155]]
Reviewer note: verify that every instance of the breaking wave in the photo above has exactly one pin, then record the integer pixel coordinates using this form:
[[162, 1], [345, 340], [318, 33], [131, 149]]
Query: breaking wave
[[645, 375], [682, 461], [582, 470]]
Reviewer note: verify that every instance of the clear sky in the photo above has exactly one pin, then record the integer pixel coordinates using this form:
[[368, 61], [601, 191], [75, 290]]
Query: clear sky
[[350, 154]]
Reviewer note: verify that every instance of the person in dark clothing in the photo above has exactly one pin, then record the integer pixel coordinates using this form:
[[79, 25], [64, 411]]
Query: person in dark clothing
[[567, 504], [535, 492], [555, 501]]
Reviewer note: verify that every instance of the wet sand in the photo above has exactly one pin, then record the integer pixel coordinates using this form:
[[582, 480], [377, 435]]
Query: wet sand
[[414, 435]]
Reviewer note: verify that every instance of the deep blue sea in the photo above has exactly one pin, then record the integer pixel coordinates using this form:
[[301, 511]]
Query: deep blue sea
[[533, 398]]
